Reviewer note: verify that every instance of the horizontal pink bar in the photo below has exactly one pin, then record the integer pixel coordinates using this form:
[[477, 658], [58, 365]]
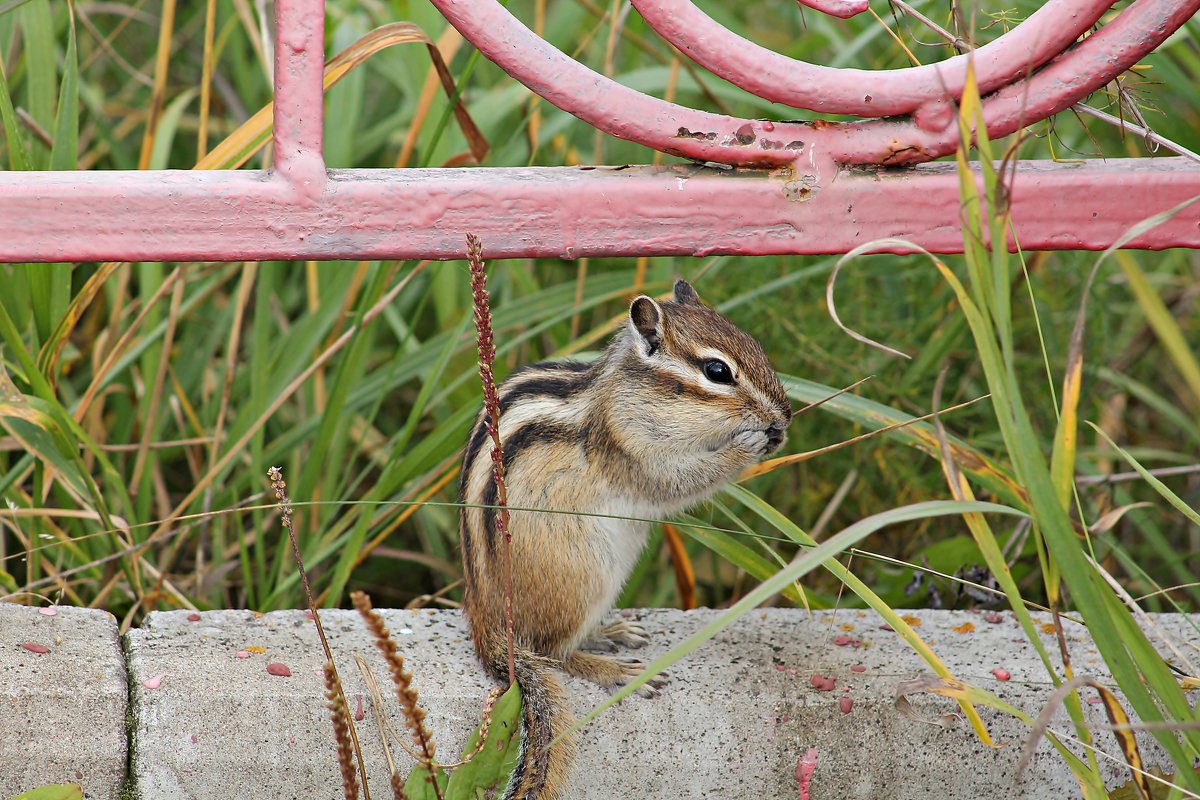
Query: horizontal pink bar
[[868, 93], [569, 212]]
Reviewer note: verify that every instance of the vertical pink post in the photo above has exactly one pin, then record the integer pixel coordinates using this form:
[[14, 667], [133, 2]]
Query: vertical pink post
[[299, 95]]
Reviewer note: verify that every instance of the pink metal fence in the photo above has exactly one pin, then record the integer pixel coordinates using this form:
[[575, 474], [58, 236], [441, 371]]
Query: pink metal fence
[[798, 187]]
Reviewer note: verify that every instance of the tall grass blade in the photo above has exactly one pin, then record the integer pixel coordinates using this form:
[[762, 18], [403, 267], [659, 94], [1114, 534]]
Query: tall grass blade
[[823, 554]]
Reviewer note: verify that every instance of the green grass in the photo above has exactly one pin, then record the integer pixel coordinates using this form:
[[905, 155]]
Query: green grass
[[141, 405]]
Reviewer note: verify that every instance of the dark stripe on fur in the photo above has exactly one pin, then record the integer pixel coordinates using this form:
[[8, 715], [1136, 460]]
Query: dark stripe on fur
[[568, 378], [550, 379], [528, 435], [463, 538], [478, 437]]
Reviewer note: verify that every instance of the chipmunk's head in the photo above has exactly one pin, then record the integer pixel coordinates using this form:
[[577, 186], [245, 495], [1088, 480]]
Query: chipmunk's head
[[700, 387]]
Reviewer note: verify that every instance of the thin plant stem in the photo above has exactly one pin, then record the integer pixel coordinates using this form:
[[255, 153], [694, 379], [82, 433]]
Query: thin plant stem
[[491, 402], [285, 511]]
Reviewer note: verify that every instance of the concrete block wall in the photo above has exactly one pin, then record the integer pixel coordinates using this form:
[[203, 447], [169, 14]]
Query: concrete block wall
[[203, 716], [63, 698]]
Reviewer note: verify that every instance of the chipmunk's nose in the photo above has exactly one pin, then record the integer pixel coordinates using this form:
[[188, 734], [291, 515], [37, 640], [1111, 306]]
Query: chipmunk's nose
[[775, 434]]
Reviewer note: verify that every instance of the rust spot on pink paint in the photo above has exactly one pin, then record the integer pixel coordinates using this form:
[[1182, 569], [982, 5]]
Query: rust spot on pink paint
[[802, 189], [745, 134], [34, 647], [821, 124], [684, 133], [900, 153], [279, 670], [845, 704], [806, 765]]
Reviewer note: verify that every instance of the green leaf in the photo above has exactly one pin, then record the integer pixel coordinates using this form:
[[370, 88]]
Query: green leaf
[[18, 155], [64, 154], [1166, 328], [54, 791], [486, 773], [168, 125], [729, 547], [37, 29], [28, 420], [419, 785], [921, 435], [1158, 486]]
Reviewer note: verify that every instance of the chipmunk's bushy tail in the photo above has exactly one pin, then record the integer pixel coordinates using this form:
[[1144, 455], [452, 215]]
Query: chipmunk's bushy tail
[[541, 769]]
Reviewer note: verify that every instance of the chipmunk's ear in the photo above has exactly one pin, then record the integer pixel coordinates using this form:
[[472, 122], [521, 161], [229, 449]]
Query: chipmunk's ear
[[645, 319], [685, 295]]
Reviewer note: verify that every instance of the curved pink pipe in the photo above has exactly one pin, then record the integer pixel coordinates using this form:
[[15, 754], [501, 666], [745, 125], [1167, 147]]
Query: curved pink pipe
[[868, 93], [843, 9], [616, 109], [702, 136], [1068, 79]]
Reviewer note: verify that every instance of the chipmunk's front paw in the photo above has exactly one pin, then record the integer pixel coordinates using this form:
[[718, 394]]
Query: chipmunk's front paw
[[755, 442], [618, 633], [626, 632]]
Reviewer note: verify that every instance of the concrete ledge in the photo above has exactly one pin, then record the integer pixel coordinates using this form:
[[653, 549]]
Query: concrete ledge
[[207, 720], [62, 700], [738, 716]]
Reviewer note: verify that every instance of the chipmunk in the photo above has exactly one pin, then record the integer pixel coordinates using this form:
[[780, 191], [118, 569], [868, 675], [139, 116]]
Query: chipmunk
[[678, 404]]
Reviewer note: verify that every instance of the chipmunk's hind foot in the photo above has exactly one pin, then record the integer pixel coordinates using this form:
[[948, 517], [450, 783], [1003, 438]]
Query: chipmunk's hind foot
[[612, 673]]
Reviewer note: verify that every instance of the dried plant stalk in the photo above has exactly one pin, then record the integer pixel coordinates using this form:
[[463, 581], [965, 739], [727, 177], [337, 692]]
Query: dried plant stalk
[[384, 726], [491, 402], [414, 715], [340, 714], [275, 474]]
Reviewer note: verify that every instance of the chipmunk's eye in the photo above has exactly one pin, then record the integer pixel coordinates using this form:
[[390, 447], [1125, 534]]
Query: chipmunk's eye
[[718, 371]]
